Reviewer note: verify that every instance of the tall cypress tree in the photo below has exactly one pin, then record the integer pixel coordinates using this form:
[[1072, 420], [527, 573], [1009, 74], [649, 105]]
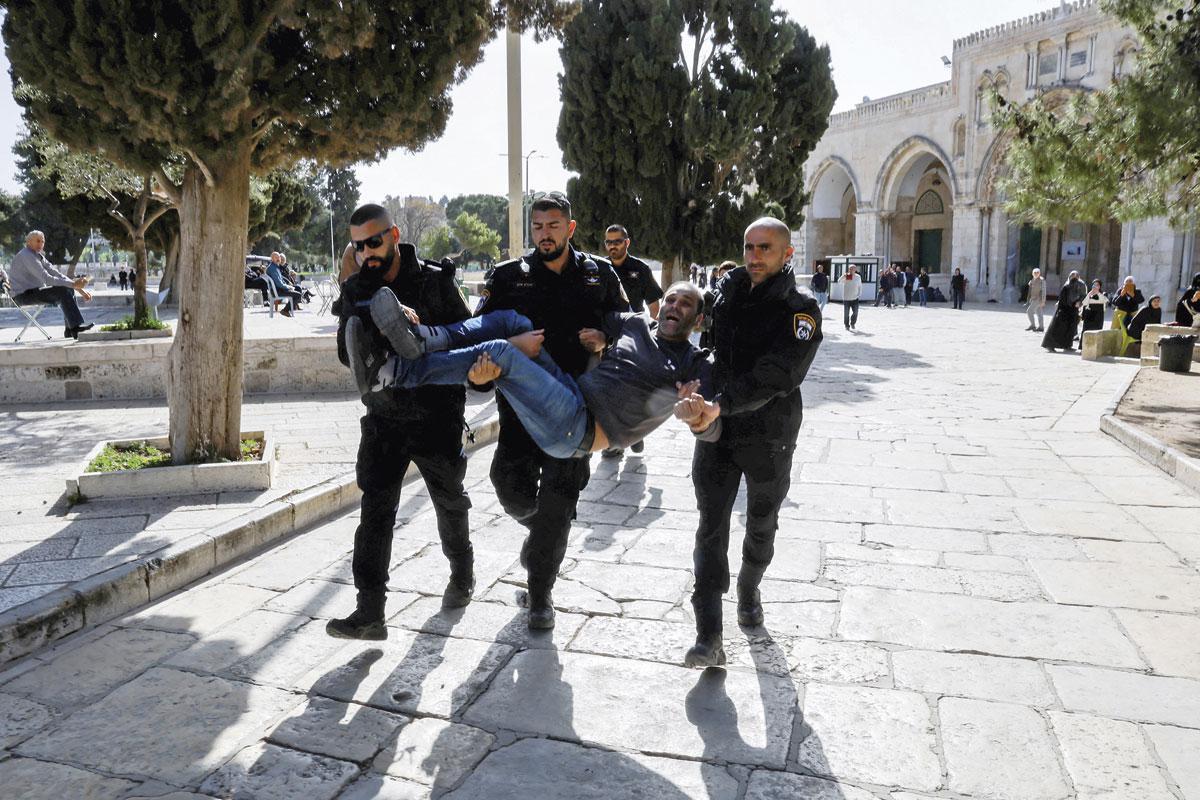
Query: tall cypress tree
[[688, 118], [234, 89]]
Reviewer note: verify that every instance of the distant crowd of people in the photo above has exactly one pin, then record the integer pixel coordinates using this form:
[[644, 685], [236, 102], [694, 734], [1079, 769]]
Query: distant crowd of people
[[266, 273]]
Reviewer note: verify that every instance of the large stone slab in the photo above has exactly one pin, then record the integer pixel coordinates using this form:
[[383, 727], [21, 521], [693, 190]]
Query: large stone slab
[[999, 750], [657, 708], [1170, 642], [345, 731], [836, 662], [410, 673], [28, 779], [1177, 747], [242, 638], [1128, 695], [267, 772], [553, 770], [1121, 585], [221, 716], [201, 610], [921, 538], [649, 640], [288, 657], [968, 675], [434, 752], [768, 785], [488, 622], [20, 718], [949, 622], [630, 582], [878, 736], [1108, 759], [89, 671]]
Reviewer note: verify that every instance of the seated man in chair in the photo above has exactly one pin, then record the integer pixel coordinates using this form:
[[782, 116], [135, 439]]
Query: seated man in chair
[[34, 280]]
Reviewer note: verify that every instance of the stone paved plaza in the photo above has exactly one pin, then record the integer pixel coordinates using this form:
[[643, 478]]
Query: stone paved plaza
[[975, 594]]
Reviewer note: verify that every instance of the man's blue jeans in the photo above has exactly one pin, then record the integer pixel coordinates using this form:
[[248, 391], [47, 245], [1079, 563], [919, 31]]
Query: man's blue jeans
[[822, 298], [546, 399], [923, 295]]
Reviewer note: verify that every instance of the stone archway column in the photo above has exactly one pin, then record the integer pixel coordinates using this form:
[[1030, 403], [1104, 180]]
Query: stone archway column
[[867, 233], [885, 225], [983, 271], [964, 244]]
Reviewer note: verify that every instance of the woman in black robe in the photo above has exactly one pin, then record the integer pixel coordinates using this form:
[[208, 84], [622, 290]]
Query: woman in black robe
[[1151, 314], [1061, 331], [1187, 311], [1093, 308]]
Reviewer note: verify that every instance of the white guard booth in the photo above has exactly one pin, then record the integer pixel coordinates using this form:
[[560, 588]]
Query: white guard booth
[[868, 270]]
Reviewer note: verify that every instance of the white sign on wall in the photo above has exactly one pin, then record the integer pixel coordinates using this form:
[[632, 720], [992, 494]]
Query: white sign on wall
[[1074, 250]]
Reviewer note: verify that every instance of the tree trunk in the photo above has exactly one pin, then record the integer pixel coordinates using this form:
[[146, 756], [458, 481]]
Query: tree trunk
[[670, 271], [170, 267], [205, 384], [141, 313]]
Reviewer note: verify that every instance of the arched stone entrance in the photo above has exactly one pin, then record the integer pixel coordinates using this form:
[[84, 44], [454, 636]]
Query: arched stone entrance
[[831, 224], [915, 192]]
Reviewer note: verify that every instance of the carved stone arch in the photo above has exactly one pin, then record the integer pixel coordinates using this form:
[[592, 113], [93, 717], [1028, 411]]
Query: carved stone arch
[[896, 166], [991, 169], [829, 163], [1123, 56]]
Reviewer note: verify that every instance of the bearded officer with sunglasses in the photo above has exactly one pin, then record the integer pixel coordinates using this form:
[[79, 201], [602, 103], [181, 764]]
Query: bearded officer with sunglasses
[[422, 426]]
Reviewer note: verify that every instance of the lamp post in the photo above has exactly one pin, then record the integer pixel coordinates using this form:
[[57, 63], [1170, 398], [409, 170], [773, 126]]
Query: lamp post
[[525, 202], [332, 251]]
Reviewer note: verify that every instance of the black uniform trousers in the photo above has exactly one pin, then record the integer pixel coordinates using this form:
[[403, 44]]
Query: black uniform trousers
[[539, 492], [717, 472], [384, 454]]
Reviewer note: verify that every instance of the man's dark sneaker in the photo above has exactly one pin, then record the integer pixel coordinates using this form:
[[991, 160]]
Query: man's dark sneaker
[[394, 324], [83, 328], [638, 446], [1040, 330], [69, 333], [458, 592], [365, 358], [612, 452], [705, 653], [359, 625], [750, 610], [541, 613]]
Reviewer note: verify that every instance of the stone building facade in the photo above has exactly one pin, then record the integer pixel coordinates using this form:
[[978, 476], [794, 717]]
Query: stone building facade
[[914, 177]]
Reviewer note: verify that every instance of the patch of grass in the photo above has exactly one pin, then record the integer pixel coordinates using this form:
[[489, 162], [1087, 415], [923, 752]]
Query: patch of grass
[[131, 324], [141, 455]]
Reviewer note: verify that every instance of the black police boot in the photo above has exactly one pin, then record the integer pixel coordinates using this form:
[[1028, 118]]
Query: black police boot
[[638, 446], [541, 611], [706, 652], [394, 324], [750, 610], [612, 452], [461, 584], [365, 623]]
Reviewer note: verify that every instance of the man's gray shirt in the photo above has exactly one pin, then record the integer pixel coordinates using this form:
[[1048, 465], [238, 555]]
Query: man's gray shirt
[[632, 390], [31, 270]]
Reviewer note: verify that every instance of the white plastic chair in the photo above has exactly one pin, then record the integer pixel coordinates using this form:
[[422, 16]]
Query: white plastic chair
[[155, 299]]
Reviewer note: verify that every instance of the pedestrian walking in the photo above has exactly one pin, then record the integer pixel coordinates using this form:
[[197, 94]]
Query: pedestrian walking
[[851, 293], [820, 286], [958, 288], [923, 287], [1064, 323], [1037, 300], [402, 426], [562, 291], [767, 333]]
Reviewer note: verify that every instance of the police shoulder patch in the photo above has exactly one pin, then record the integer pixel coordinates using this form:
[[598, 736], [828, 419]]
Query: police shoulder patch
[[803, 326]]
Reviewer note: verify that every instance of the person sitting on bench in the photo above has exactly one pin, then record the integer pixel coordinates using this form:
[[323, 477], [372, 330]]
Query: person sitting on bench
[[649, 368], [33, 279]]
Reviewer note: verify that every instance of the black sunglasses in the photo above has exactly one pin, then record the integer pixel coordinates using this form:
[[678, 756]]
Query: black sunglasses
[[371, 242], [613, 242]]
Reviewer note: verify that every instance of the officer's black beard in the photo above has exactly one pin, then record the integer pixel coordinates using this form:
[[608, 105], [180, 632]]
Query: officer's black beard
[[553, 255]]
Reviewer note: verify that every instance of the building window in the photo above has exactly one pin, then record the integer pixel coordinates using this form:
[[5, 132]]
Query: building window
[[1079, 58], [960, 139], [1048, 65], [930, 203]]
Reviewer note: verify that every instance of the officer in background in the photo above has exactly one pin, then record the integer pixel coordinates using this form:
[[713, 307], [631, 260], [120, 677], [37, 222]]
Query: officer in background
[[562, 291], [423, 425], [642, 290], [766, 333]]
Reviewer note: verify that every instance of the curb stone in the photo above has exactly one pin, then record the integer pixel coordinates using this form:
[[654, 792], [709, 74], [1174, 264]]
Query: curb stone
[[1170, 460], [118, 590]]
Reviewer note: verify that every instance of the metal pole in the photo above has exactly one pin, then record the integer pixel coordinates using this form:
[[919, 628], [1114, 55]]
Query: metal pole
[[332, 250], [526, 201]]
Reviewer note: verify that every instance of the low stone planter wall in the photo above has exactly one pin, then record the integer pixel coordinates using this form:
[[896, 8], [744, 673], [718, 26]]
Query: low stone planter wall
[[229, 476], [1153, 333], [136, 369], [121, 336]]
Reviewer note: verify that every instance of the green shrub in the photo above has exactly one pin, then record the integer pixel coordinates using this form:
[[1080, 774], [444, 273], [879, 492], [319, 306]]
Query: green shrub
[[128, 324]]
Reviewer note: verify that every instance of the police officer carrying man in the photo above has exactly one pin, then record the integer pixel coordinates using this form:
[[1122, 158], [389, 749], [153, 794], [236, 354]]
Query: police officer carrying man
[[423, 425], [766, 333], [562, 291], [642, 290]]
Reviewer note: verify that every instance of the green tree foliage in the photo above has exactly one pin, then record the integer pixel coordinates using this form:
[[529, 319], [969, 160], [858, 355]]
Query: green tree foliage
[[475, 237], [437, 243], [338, 189], [491, 208], [280, 202], [235, 89], [1128, 152], [685, 119]]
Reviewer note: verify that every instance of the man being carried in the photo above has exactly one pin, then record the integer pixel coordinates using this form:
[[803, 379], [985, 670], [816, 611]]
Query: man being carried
[[632, 390]]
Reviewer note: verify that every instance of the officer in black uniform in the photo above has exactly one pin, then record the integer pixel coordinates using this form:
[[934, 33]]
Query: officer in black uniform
[[766, 333], [423, 425], [641, 289], [562, 291]]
